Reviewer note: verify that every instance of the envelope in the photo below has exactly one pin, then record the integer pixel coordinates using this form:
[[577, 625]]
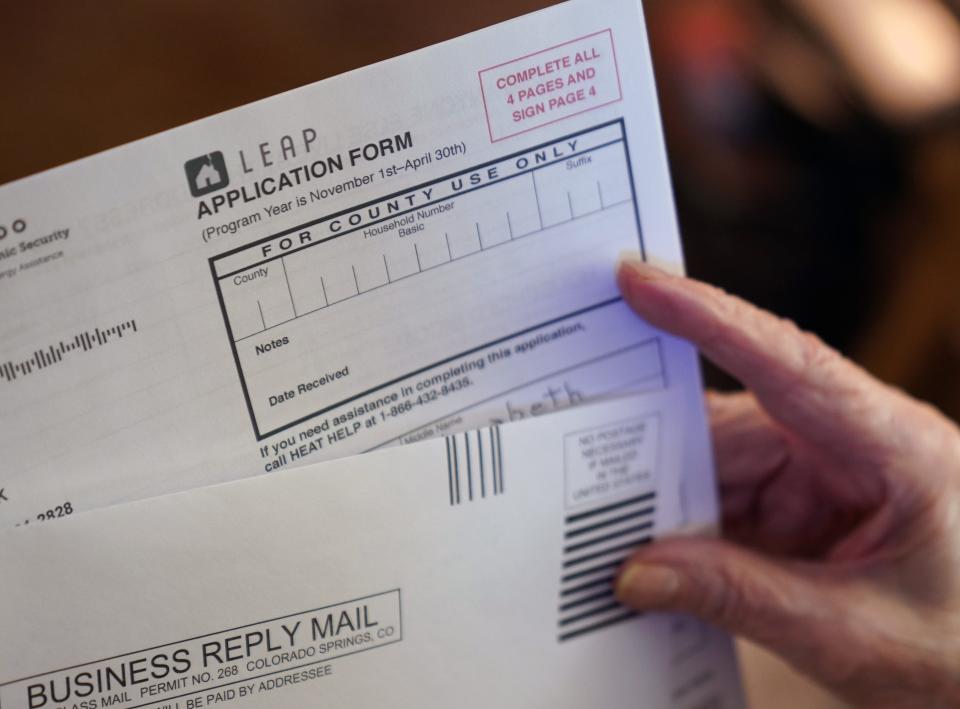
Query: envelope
[[473, 570]]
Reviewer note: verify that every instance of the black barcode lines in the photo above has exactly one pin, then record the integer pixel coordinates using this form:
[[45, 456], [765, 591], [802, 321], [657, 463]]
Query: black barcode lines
[[595, 543], [474, 465], [85, 341]]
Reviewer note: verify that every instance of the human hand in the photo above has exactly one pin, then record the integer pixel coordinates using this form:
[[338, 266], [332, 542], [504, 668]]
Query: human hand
[[841, 508]]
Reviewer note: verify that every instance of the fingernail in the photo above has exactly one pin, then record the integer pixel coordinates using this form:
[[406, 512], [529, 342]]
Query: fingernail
[[647, 585], [640, 269]]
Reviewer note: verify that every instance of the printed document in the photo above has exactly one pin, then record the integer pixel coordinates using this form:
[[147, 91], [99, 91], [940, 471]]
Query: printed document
[[409, 250], [472, 570]]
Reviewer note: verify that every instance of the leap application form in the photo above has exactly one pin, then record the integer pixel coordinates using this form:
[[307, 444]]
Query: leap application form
[[459, 234], [409, 250]]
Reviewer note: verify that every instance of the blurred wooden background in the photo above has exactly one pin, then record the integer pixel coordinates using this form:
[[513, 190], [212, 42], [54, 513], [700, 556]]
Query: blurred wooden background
[[84, 77]]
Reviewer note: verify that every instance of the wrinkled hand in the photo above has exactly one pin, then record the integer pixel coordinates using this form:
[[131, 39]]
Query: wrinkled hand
[[841, 508]]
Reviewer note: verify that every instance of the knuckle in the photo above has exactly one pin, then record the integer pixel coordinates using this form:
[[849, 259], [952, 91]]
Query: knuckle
[[725, 311], [734, 597], [813, 362], [813, 353], [729, 308], [723, 599]]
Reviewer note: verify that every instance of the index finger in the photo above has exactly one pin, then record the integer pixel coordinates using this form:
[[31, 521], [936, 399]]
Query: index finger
[[804, 385]]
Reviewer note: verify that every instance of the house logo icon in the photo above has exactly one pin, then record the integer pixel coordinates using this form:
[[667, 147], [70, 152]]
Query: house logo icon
[[206, 174]]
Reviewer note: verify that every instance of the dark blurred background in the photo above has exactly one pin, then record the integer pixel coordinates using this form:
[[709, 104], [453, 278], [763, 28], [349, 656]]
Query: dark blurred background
[[815, 144]]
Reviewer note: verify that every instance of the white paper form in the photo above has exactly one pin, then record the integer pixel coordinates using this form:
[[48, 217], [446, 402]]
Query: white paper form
[[468, 571], [419, 247]]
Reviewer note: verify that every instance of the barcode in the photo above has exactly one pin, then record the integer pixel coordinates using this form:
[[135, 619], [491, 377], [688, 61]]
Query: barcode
[[474, 465], [595, 543], [54, 354]]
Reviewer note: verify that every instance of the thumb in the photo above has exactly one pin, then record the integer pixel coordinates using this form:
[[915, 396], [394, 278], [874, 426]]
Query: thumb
[[775, 603]]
